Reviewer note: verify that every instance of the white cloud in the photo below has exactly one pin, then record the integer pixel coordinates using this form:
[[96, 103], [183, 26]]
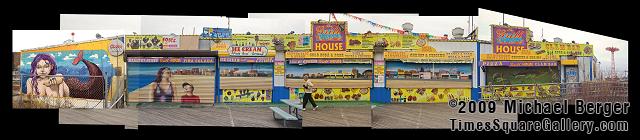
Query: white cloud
[[32, 55], [104, 56], [59, 53], [28, 63], [94, 56], [21, 63], [72, 54], [68, 57]]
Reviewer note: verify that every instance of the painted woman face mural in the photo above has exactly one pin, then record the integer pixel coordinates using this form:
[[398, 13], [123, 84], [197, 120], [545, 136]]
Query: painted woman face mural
[[43, 82], [42, 66]]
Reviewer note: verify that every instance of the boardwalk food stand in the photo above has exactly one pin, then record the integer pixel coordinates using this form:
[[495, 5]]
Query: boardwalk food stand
[[171, 79], [338, 73], [246, 74], [338, 76], [169, 69], [416, 72], [519, 67]]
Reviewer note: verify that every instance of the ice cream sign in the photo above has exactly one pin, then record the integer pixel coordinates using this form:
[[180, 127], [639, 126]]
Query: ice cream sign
[[329, 36], [507, 39], [248, 51]]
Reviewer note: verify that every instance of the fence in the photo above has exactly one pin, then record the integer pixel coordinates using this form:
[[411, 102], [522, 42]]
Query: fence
[[117, 99], [592, 91], [597, 91], [62, 91], [520, 91]]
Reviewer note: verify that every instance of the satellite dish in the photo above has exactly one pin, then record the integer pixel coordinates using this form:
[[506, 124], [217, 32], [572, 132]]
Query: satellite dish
[[407, 27], [98, 36], [68, 41]]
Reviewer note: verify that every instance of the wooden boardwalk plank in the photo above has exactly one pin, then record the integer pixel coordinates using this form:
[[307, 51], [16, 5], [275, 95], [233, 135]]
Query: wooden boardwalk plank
[[126, 116], [359, 116], [421, 116], [221, 115]]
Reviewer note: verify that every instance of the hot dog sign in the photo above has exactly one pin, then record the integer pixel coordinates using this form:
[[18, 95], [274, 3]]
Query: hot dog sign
[[329, 36], [510, 40]]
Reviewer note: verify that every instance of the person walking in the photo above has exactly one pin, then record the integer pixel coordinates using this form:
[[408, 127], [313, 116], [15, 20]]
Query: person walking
[[308, 89]]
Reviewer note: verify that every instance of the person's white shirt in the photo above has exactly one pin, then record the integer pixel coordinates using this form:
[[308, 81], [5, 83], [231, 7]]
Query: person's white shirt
[[309, 86]]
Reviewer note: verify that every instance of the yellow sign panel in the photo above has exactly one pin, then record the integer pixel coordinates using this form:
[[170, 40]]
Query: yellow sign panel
[[552, 48], [431, 57], [429, 95], [295, 42], [246, 95], [333, 94], [328, 54], [530, 91], [253, 40], [378, 69], [569, 62], [518, 57], [393, 41], [278, 68], [270, 53], [144, 42], [290, 42], [220, 45], [356, 42]]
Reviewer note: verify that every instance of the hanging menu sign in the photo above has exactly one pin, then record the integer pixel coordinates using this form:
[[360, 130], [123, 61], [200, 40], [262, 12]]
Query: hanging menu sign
[[171, 59], [247, 59], [328, 61], [328, 54], [512, 57], [520, 63]]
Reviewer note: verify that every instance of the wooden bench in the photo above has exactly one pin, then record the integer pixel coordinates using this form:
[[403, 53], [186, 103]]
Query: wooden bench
[[296, 106], [279, 114]]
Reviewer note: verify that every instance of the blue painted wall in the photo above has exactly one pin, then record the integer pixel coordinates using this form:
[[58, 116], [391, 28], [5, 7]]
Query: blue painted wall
[[217, 82], [279, 93], [476, 91], [380, 95]]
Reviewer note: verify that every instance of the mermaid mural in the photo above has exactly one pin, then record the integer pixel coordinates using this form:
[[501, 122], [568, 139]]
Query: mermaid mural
[[44, 79]]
